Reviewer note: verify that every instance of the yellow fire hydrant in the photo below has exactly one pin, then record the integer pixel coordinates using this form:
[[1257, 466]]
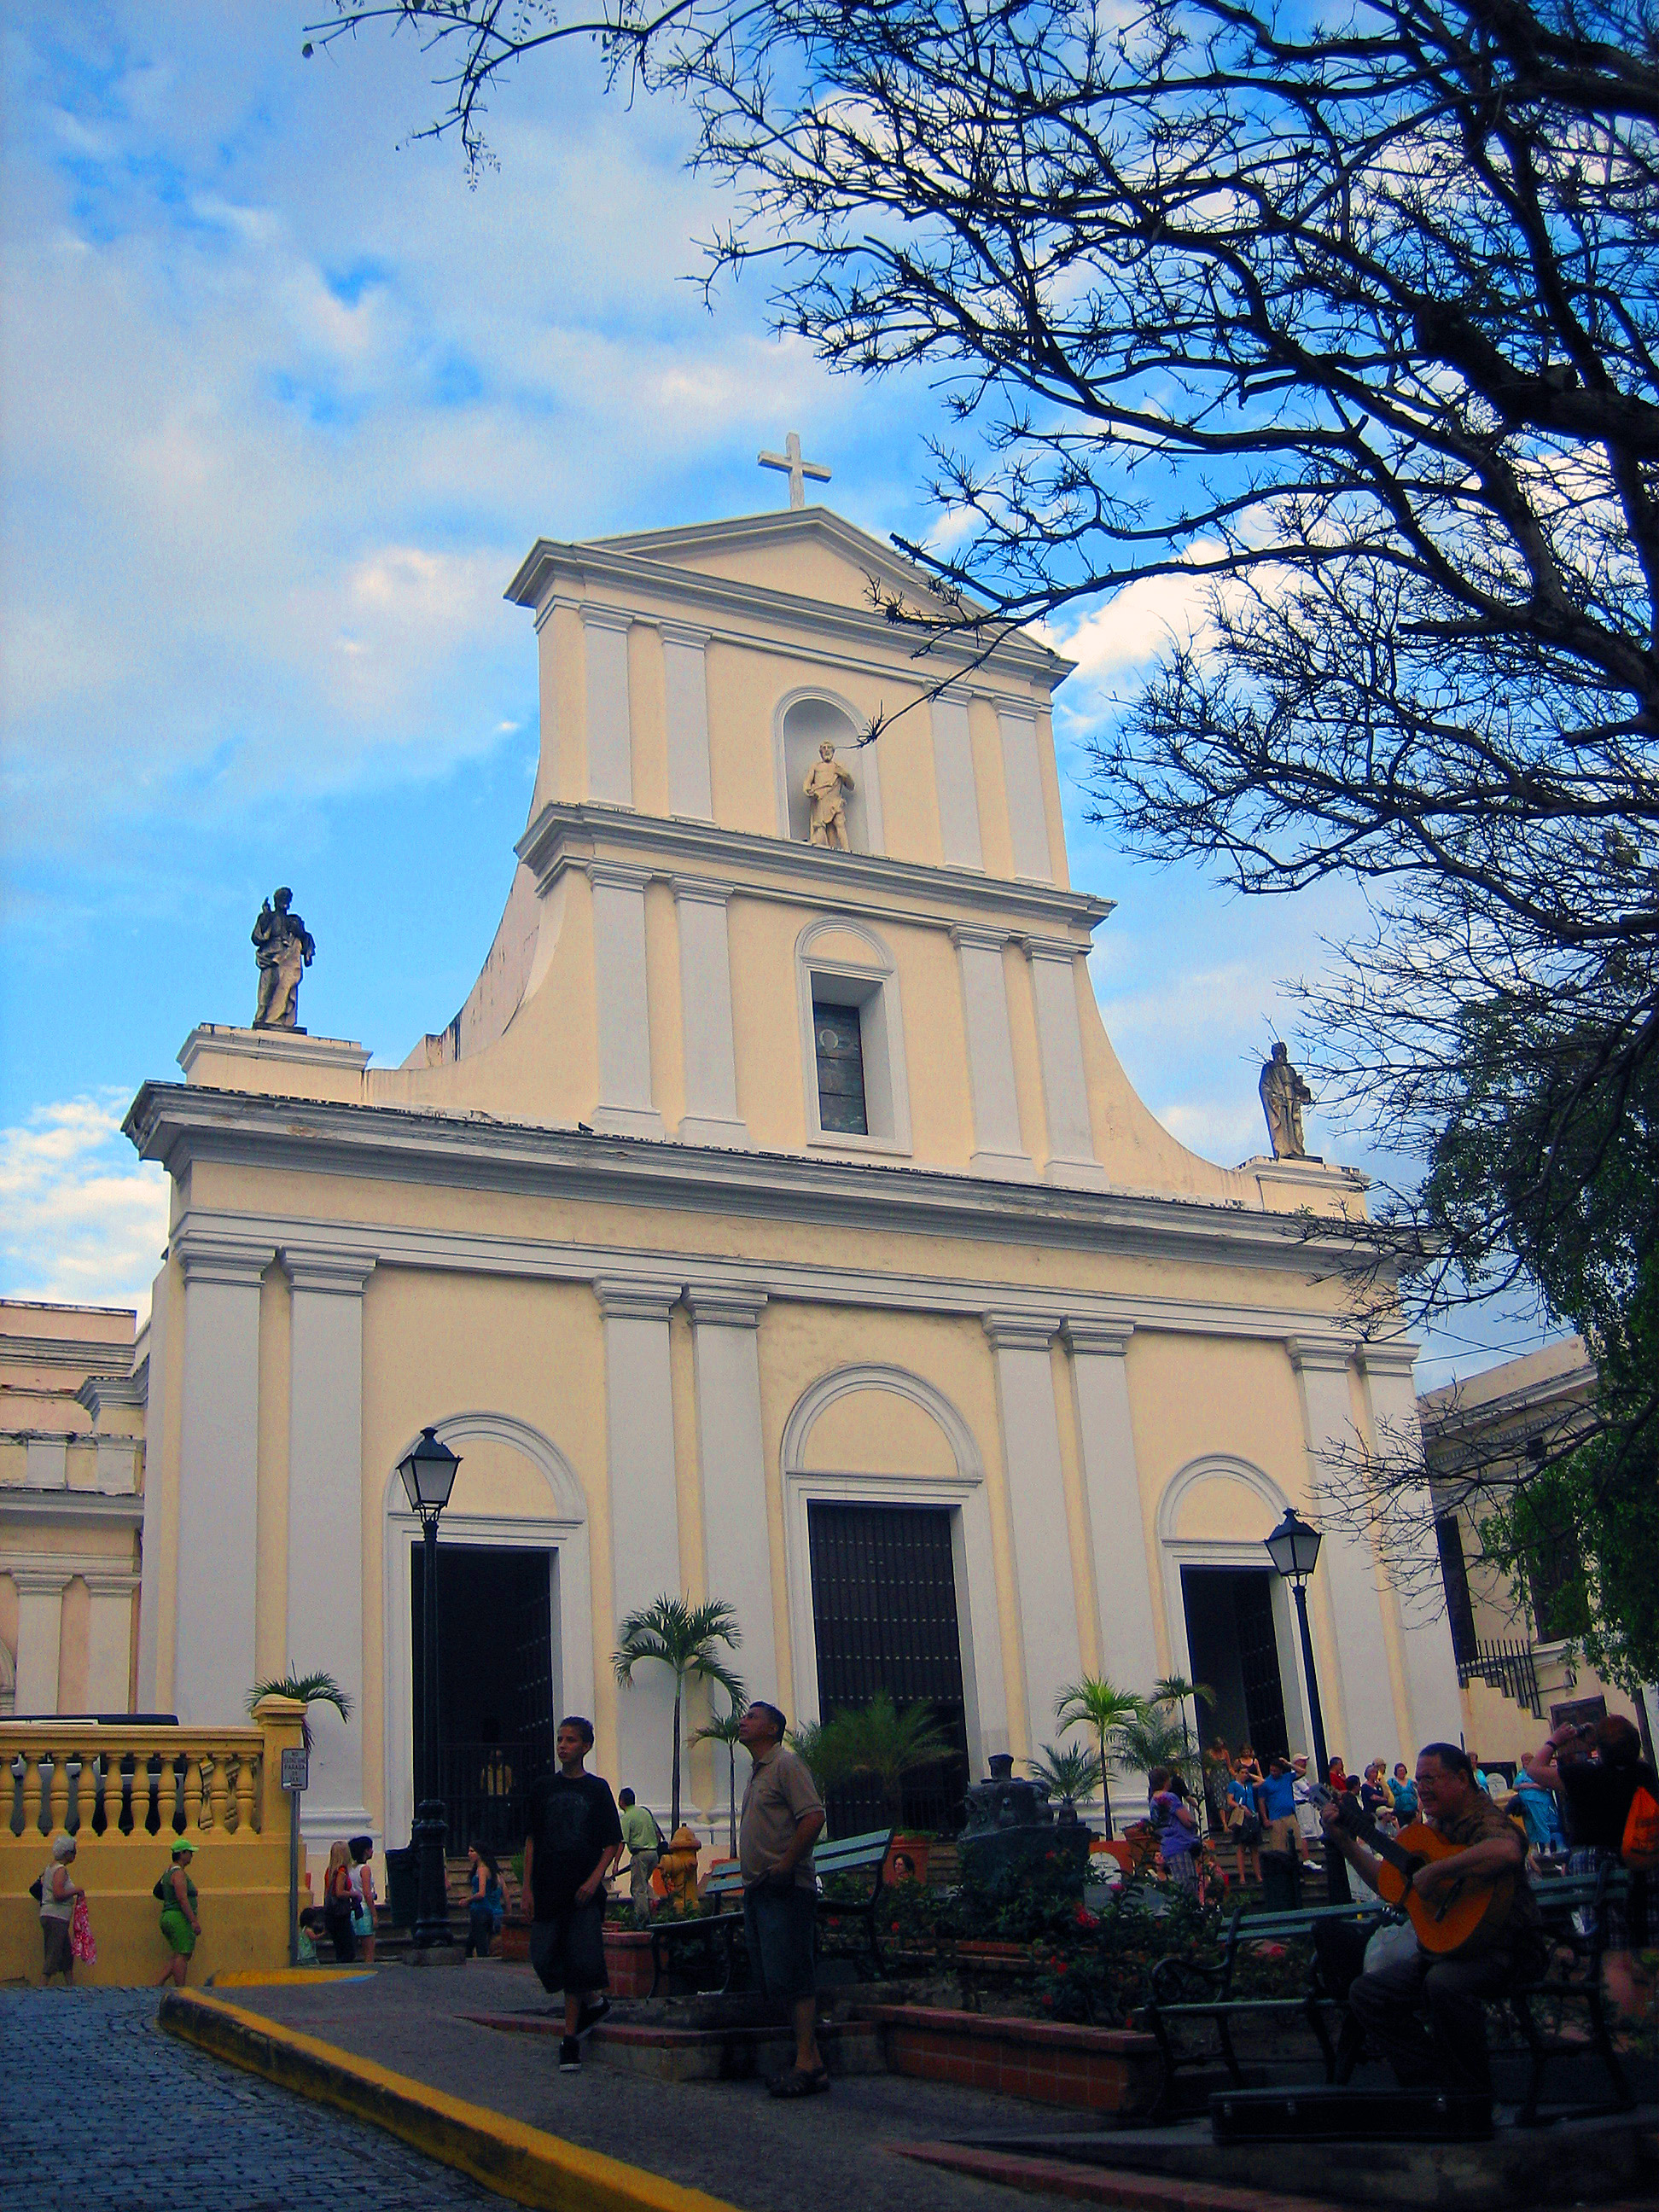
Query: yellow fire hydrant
[[678, 1867]]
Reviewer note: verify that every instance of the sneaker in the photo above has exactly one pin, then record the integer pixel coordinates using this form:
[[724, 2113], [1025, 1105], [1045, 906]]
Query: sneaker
[[591, 2014], [570, 2056]]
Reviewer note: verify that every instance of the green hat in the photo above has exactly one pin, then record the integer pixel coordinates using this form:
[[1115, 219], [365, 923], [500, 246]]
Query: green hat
[[184, 1844]]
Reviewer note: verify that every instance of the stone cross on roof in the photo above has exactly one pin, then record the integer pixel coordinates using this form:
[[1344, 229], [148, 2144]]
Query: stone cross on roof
[[796, 469]]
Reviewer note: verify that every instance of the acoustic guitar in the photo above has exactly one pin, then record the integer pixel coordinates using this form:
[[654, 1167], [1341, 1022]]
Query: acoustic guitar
[[1467, 1914]]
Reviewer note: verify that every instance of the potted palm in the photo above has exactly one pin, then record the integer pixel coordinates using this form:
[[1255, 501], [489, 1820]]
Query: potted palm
[[723, 1728], [1070, 1774], [887, 1744], [1095, 1703]]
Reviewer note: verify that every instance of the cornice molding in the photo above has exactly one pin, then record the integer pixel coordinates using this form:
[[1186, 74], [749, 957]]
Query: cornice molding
[[1321, 1355], [224, 1041], [722, 1305], [643, 567], [566, 835], [635, 1298], [99, 1394], [61, 1351], [1099, 1339], [327, 1269], [178, 1123], [222, 1260]]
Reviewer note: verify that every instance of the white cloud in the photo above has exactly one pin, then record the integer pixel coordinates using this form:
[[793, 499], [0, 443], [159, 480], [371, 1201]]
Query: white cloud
[[81, 1219]]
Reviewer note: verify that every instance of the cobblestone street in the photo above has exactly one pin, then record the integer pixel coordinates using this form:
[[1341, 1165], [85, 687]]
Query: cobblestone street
[[102, 2108]]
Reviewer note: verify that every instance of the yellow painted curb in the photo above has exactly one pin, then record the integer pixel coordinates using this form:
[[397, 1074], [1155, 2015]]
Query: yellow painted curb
[[523, 2163], [286, 1978]]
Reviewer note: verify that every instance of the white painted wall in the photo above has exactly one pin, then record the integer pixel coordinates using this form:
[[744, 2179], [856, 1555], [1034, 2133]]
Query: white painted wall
[[610, 730], [953, 771], [998, 1144], [1037, 1504]]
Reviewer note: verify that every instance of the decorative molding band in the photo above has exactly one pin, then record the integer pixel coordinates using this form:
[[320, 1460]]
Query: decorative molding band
[[1052, 948], [1021, 1332], [102, 1583], [222, 1260], [100, 1394], [679, 633], [564, 834], [224, 1042], [63, 1350], [122, 1507], [41, 1582], [326, 1268], [981, 939], [549, 561], [1098, 1340], [179, 1123], [1387, 1358], [722, 1305], [635, 1298]]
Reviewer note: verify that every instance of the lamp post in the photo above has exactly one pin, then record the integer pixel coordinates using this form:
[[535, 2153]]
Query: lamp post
[[1293, 1548], [428, 1476]]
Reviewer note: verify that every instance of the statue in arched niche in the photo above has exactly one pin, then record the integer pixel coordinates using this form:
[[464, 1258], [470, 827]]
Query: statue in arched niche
[[826, 789]]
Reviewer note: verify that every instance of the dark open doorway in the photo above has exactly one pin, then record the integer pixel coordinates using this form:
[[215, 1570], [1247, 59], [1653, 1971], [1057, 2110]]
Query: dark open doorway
[[1233, 1646], [884, 1618], [494, 1686]]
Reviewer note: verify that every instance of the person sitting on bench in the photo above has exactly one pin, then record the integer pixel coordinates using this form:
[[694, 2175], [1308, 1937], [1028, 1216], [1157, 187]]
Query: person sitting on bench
[[1388, 2005]]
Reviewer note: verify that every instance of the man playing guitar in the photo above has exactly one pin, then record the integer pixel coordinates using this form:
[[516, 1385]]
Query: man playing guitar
[[1389, 2004]]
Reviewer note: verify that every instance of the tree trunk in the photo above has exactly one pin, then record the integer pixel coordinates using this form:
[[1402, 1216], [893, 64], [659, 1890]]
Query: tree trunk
[[674, 1802], [732, 1792], [1105, 1788]]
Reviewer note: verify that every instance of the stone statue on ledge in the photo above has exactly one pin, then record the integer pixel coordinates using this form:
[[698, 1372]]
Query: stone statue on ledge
[[825, 788], [284, 949], [1284, 1094]]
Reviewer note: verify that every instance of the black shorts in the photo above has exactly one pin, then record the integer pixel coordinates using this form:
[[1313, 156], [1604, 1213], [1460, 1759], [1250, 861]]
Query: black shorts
[[568, 1951], [782, 1933]]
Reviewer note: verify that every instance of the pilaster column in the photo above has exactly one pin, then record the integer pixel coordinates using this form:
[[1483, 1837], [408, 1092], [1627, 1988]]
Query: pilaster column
[[610, 726], [1364, 1726], [325, 1619], [711, 1115], [109, 1641], [999, 1146], [1128, 1642], [685, 693], [730, 1453], [46, 1462], [39, 1630], [1065, 1086], [953, 778], [1041, 1538], [1028, 822], [645, 1528], [624, 1107], [1425, 1627], [218, 1479]]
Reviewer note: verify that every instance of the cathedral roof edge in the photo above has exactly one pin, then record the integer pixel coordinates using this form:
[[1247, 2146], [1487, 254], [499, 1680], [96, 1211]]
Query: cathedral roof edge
[[645, 558]]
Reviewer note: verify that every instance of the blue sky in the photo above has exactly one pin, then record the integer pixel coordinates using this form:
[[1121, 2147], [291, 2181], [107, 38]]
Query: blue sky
[[285, 401]]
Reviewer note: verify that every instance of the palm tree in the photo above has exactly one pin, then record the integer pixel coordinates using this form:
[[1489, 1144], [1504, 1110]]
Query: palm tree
[[1070, 1774], [681, 1637], [1096, 1704], [1175, 1690], [317, 1688], [1155, 1740], [879, 1739], [724, 1730]]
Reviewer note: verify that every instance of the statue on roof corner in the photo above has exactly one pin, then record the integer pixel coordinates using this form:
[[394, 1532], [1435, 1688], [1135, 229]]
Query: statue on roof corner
[[284, 949], [1284, 1094], [826, 788]]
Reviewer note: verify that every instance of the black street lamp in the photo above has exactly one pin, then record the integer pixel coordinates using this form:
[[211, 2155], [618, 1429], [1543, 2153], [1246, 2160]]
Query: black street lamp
[[1293, 1548], [428, 1476]]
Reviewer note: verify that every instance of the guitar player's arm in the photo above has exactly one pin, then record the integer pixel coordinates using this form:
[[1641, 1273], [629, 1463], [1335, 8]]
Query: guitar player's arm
[[1359, 1856], [1495, 1854]]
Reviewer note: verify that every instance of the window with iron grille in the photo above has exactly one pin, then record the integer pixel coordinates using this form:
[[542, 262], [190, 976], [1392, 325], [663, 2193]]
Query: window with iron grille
[[838, 1042]]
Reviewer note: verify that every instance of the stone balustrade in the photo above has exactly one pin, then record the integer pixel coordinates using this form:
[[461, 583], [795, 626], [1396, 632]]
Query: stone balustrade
[[127, 1793]]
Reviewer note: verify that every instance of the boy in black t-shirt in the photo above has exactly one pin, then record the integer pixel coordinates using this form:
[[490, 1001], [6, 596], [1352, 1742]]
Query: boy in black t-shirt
[[575, 1840]]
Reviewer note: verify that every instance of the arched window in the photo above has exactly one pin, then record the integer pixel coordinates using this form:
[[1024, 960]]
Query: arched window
[[858, 1095]]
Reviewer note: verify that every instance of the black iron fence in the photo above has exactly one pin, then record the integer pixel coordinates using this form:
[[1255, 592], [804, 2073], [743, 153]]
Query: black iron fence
[[486, 1791]]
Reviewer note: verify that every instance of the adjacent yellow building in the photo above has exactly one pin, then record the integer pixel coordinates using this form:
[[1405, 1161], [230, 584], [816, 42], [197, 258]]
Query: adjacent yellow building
[[772, 1223]]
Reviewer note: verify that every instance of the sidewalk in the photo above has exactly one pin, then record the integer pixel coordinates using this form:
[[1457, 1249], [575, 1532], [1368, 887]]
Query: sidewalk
[[727, 2137]]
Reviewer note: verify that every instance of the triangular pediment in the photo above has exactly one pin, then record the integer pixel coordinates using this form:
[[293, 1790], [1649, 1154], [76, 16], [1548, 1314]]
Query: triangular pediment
[[808, 552]]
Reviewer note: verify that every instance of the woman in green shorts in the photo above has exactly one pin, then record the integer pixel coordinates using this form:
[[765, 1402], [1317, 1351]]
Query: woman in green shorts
[[178, 1922]]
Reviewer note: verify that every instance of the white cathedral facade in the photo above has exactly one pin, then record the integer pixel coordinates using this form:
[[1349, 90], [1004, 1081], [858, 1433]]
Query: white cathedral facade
[[774, 1224]]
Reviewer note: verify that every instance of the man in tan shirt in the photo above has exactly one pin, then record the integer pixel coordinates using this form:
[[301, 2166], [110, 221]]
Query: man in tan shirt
[[782, 1814]]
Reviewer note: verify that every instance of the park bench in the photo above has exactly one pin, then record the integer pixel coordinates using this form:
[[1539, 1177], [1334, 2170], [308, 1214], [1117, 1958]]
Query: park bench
[[722, 1930], [1186, 1991], [1573, 1909]]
